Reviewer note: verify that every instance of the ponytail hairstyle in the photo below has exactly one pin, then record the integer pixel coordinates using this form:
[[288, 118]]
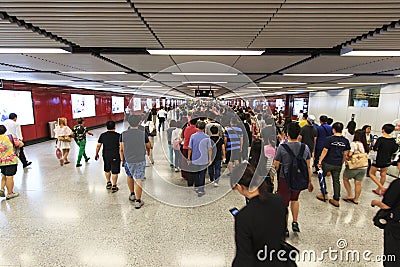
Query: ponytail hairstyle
[[359, 136], [244, 174]]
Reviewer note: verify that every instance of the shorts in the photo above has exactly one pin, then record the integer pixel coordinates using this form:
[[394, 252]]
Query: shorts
[[380, 166], [137, 169], [234, 155], [127, 170], [9, 170], [113, 165], [287, 194], [357, 174]]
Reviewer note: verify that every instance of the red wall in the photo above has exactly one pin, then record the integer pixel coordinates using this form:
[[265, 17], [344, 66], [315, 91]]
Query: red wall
[[52, 102]]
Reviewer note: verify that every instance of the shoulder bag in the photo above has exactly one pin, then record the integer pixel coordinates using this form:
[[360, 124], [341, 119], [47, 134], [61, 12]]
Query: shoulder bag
[[357, 161]]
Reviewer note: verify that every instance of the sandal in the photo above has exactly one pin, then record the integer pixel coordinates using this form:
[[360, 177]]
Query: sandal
[[354, 202], [108, 186], [348, 200], [61, 162], [376, 192]]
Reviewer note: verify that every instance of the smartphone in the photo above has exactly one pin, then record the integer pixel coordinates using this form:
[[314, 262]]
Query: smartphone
[[234, 211]]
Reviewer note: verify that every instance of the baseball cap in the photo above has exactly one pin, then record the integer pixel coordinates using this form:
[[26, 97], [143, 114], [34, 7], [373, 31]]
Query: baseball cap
[[311, 118]]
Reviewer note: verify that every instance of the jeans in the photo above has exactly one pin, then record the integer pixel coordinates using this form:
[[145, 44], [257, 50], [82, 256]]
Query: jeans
[[82, 145], [335, 171], [214, 170], [171, 155], [177, 158]]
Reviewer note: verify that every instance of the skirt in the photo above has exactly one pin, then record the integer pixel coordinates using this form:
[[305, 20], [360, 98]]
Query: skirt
[[63, 145]]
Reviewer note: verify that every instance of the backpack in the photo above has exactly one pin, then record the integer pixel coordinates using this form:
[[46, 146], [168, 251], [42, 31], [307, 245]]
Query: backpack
[[297, 174]]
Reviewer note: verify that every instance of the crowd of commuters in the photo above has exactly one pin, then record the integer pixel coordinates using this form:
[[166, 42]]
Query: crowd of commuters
[[208, 139]]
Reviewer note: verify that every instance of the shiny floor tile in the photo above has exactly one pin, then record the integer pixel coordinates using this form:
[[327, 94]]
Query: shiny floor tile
[[66, 217]]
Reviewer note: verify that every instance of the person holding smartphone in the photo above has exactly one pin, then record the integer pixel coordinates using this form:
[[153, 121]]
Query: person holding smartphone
[[259, 224]]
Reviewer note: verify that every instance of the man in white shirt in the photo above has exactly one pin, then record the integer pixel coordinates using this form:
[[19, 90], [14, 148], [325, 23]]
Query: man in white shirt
[[161, 115], [14, 129]]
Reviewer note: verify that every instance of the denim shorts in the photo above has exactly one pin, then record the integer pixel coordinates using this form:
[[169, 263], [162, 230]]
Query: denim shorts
[[137, 169]]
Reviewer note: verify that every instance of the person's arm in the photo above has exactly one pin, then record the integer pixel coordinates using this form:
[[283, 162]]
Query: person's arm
[[241, 143], [148, 147], [276, 164], [209, 156], [223, 152], [299, 138], [96, 157], [322, 157], [19, 132], [190, 154], [121, 153], [89, 133], [310, 184], [346, 155]]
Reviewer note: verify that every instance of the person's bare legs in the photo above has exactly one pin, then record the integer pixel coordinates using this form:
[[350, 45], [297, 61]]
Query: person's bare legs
[[294, 207], [131, 184], [347, 185], [65, 155], [372, 175], [114, 179], [357, 185], [138, 191], [108, 176], [3, 182], [383, 172], [9, 184]]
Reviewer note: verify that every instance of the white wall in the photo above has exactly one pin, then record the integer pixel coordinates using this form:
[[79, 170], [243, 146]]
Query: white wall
[[334, 104]]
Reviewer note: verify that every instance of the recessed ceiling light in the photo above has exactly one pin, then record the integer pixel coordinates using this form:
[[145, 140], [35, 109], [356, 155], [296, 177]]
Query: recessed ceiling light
[[371, 53], [289, 83], [301, 90], [7, 71], [145, 86], [361, 83], [5, 50], [204, 82], [318, 74], [47, 81], [265, 87], [204, 74], [324, 87], [208, 52], [95, 72], [125, 81]]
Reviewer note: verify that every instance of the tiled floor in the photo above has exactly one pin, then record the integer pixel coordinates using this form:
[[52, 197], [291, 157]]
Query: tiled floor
[[66, 217]]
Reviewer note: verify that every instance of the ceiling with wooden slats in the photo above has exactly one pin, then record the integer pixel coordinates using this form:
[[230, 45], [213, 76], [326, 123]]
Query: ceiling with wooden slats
[[298, 37]]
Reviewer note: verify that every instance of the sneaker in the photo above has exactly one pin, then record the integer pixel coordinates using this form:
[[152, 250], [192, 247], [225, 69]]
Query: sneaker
[[109, 185], [138, 204], [86, 160], [78, 165], [295, 227], [170, 165], [201, 193], [114, 188], [12, 195], [132, 197], [287, 233], [216, 184], [176, 170], [2, 193]]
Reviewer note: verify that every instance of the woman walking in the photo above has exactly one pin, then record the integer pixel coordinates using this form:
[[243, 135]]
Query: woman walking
[[63, 135]]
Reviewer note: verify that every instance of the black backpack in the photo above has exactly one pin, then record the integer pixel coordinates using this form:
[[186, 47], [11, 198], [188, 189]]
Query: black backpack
[[297, 174]]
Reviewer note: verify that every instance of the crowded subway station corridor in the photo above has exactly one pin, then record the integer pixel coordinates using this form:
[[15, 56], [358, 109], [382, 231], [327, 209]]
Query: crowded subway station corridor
[[205, 133]]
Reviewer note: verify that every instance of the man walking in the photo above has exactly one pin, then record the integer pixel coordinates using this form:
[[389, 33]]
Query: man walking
[[335, 150], [162, 116], [308, 134], [80, 132], [324, 130], [233, 140], [200, 156], [133, 146], [14, 129], [111, 158], [284, 159]]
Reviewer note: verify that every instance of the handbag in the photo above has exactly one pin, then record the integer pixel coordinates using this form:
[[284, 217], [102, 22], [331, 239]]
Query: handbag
[[16, 148], [65, 138], [357, 161]]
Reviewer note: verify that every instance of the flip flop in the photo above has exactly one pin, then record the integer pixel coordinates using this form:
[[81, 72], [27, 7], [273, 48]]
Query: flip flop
[[354, 202], [376, 192], [348, 200]]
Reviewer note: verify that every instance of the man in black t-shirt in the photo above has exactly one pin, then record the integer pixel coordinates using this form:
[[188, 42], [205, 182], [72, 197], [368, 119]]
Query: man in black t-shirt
[[111, 158], [335, 150]]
